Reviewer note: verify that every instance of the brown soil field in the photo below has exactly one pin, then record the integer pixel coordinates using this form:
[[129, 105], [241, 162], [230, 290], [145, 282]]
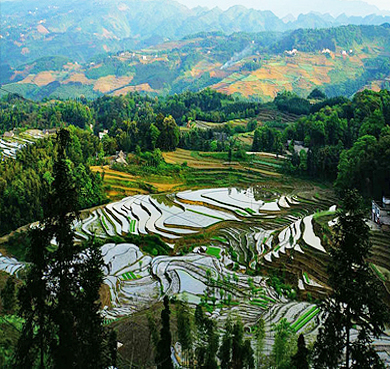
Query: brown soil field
[[109, 83], [78, 77], [41, 79]]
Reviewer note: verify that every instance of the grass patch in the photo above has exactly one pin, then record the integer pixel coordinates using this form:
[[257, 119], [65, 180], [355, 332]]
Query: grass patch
[[240, 212], [250, 211], [133, 223], [261, 304], [378, 272], [269, 163], [306, 277], [305, 318], [323, 214], [214, 251]]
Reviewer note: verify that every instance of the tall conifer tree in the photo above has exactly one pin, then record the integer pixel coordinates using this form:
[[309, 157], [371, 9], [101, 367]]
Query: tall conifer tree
[[59, 301], [163, 357], [356, 299]]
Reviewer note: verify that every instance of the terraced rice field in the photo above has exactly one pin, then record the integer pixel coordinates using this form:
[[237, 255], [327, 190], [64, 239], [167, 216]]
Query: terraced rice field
[[120, 184], [243, 230], [9, 146], [262, 165]]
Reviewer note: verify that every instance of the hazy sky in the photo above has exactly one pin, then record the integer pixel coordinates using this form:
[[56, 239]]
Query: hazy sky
[[272, 4], [381, 4]]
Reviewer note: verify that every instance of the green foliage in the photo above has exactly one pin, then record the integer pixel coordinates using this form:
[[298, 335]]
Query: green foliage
[[283, 346], [150, 243], [168, 138], [301, 358], [259, 335], [348, 140], [316, 94], [235, 352], [24, 182], [10, 328], [17, 245], [185, 332], [289, 102], [268, 140], [107, 67], [251, 65], [8, 295], [356, 299], [52, 63], [280, 287]]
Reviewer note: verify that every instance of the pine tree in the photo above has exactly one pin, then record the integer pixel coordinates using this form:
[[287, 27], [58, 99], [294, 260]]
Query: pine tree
[[235, 352], [356, 298], [201, 336], [225, 351], [207, 342], [33, 348], [299, 360], [61, 212], [163, 357], [212, 345], [90, 330], [59, 301]]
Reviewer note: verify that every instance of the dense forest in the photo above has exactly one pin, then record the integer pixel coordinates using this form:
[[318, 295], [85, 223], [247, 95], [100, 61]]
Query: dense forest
[[348, 142]]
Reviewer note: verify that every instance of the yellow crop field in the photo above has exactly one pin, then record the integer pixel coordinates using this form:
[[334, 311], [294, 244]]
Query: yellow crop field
[[41, 79], [281, 73], [79, 77], [120, 183], [109, 83], [181, 156]]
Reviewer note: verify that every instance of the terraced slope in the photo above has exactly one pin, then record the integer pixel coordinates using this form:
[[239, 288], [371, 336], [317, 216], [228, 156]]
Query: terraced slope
[[241, 232], [9, 145]]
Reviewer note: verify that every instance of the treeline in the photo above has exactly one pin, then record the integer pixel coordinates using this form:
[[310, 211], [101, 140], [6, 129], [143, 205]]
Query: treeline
[[348, 142], [313, 40], [25, 181], [103, 112], [133, 120]]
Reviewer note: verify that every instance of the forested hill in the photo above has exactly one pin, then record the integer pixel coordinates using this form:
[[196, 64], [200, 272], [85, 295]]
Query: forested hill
[[347, 37], [257, 66], [346, 141]]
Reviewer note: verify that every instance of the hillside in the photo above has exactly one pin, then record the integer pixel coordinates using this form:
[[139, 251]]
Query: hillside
[[31, 30], [340, 61]]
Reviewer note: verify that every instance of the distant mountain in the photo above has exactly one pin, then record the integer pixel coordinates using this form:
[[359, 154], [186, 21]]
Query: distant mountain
[[84, 28], [284, 7]]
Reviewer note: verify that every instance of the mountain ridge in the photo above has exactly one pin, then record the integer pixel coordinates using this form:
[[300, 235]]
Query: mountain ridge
[[51, 28]]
